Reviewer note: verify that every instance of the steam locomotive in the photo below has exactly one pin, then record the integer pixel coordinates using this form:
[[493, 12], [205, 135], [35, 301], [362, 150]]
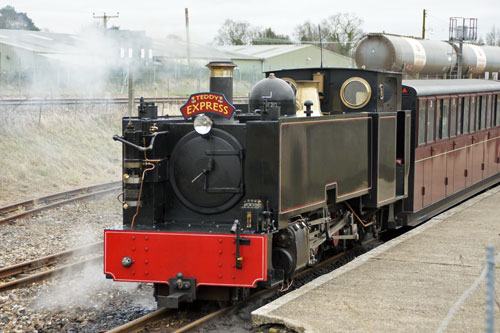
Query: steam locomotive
[[230, 198]]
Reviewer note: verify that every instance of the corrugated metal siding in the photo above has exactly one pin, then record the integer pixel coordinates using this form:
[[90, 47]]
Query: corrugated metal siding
[[13, 59], [306, 58]]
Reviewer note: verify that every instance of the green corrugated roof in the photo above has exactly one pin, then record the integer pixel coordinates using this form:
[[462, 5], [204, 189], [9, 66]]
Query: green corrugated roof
[[269, 51]]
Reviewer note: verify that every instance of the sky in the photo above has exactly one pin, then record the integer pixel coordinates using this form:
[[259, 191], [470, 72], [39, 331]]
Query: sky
[[162, 18]]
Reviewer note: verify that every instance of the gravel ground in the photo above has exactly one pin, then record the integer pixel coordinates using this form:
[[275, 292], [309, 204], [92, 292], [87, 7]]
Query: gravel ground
[[56, 230], [78, 301]]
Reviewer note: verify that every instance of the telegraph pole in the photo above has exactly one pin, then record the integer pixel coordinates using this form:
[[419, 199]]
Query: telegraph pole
[[105, 18], [187, 35], [423, 24]]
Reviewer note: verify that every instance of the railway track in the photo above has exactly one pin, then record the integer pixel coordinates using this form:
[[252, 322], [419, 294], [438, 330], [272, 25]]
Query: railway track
[[87, 101], [140, 323], [26, 208], [24, 273]]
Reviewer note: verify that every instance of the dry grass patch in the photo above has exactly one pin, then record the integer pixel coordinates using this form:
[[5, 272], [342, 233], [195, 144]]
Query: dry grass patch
[[57, 149]]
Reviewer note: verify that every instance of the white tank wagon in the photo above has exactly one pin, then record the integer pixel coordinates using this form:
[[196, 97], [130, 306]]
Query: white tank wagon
[[422, 57], [403, 54], [479, 59]]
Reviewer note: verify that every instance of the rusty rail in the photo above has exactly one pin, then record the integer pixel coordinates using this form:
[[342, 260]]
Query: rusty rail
[[45, 275], [55, 200], [28, 266], [139, 323]]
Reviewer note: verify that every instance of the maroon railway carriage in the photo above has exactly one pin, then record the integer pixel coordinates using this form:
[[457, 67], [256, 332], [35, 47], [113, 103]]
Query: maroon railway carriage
[[456, 142]]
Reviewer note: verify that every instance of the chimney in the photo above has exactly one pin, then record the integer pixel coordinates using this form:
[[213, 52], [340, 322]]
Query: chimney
[[221, 78]]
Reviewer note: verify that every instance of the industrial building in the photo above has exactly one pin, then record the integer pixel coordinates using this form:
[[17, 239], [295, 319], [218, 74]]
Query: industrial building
[[286, 56], [97, 62], [41, 62]]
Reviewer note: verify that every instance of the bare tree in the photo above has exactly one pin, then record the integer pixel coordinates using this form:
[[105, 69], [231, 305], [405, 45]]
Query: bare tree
[[268, 36], [307, 32], [493, 37], [242, 33], [340, 32], [235, 33]]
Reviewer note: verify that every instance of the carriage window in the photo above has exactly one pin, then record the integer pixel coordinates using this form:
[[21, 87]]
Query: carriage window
[[453, 117], [460, 115], [422, 105], [488, 111], [430, 121], [442, 119], [497, 107], [482, 112], [466, 105], [491, 110], [439, 120], [472, 111]]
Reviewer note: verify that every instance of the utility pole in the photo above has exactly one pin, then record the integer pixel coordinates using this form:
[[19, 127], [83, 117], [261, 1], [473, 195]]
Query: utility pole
[[423, 24], [105, 18], [187, 36], [320, 46], [131, 102]]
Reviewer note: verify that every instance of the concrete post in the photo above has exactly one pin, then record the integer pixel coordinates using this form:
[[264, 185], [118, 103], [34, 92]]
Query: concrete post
[[490, 289]]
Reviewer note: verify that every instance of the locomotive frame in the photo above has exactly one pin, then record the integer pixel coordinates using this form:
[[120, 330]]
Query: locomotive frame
[[246, 202]]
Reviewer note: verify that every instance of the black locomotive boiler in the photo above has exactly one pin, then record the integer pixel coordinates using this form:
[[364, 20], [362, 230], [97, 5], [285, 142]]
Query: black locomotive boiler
[[229, 198]]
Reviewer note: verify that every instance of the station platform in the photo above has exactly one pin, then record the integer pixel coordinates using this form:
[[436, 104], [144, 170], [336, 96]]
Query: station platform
[[427, 280]]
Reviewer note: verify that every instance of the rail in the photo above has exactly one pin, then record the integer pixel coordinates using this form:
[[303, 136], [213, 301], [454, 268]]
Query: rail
[[29, 207], [29, 266]]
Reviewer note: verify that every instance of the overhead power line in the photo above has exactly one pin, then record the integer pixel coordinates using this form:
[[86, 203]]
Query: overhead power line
[[287, 41]]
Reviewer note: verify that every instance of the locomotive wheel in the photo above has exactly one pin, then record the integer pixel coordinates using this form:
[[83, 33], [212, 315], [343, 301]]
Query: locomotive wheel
[[362, 233], [318, 253], [338, 245]]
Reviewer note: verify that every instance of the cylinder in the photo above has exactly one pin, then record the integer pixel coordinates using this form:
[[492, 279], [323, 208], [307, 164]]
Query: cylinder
[[402, 54], [478, 59], [221, 78], [492, 54]]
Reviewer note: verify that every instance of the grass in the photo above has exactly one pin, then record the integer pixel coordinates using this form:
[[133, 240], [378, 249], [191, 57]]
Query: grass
[[58, 150]]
